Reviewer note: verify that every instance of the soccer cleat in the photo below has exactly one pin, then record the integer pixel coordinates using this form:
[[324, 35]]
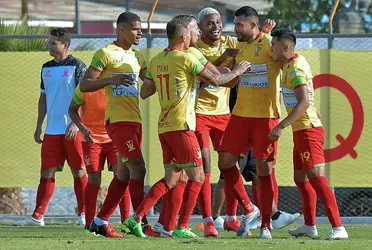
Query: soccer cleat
[[184, 233], [308, 231], [218, 223], [254, 224], [337, 233], [31, 221], [210, 230], [232, 225], [265, 233], [134, 227], [81, 220], [158, 227], [148, 230], [89, 233], [106, 230], [284, 220], [246, 220]]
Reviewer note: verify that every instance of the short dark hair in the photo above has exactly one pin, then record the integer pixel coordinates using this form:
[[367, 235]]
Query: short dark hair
[[62, 34], [127, 18], [174, 26], [284, 34], [184, 17], [246, 11]]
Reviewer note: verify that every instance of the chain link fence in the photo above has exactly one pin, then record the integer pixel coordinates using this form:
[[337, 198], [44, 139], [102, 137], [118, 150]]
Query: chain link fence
[[340, 64]]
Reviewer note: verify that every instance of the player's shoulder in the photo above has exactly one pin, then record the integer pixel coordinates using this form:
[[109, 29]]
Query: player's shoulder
[[265, 39], [194, 51], [300, 62], [77, 62], [104, 50], [48, 64], [228, 40]]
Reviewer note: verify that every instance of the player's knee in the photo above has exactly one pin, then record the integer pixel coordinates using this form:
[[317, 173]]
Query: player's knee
[[95, 179], [78, 173], [196, 174], [226, 160], [137, 168], [47, 173]]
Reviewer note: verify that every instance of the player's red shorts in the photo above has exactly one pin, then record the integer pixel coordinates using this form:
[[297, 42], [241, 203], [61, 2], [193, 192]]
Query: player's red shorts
[[212, 126], [56, 149], [127, 137], [308, 148], [180, 148], [242, 133], [95, 155]]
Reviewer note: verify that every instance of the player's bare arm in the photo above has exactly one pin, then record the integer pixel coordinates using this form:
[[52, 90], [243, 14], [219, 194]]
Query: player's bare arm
[[91, 81], [298, 111], [147, 89], [142, 74], [73, 111], [220, 80], [42, 111], [226, 55]]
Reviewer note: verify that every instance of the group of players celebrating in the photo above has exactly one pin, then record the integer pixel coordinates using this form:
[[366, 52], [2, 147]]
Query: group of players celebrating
[[194, 78]]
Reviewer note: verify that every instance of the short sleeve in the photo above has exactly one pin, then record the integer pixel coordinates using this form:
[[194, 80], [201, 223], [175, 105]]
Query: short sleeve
[[80, 70], [193, 65], [78, 96], [195, 52], [141, 59], [99, 60], [298, 78], [42, 88]]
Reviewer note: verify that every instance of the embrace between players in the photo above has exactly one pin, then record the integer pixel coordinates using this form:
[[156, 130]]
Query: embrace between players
[[192, 78]]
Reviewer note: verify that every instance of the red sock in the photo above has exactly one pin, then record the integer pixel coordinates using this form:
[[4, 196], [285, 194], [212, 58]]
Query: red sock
[[234, 185], [205, 197], [79, 188], [231, 202], [163, 208], [157, 191], [266, 194], [44, 194], [190, 197], [174, 202], [91, 193], [275, 187], [115, 193], [308, 197], [124, 206], [137, 194], [255, 195], [327, 197]]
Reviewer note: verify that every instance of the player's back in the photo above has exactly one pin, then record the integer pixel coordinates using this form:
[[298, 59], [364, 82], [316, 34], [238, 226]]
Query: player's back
[[174, 73], [258, 94]]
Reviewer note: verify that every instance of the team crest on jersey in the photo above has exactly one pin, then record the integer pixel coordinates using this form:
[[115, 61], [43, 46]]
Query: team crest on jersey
[[258, 51], [65, 72], [130, 145]]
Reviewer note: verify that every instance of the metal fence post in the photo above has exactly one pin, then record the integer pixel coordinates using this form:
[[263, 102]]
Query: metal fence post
[[77, 17]]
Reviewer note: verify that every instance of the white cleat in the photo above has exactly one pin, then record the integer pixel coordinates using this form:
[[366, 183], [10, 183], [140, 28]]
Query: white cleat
[[265, 233], [284, 220], [308, 231], [254, 224], [81, 220], [246, 220], [259, 223], [31, 221], [159, 228], [218, 223], [337, 233]]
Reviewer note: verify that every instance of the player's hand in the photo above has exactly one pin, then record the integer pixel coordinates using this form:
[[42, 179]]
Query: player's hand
[[122, 79], [268, 26], [71, 132], [87, 135], [37, 136], [242, 67], [276, 133]]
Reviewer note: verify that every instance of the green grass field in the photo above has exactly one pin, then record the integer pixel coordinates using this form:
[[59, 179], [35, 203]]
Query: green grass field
[[73, 237]]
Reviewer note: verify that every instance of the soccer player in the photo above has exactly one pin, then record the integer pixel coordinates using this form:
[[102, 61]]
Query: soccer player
[[116, 68], [62, 141], [256, 112], [308, 137], [97, 147], [172, 73]]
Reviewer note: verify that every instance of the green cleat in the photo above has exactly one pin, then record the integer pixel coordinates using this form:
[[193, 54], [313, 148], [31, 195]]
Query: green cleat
[[184, 233], [133, 226]]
